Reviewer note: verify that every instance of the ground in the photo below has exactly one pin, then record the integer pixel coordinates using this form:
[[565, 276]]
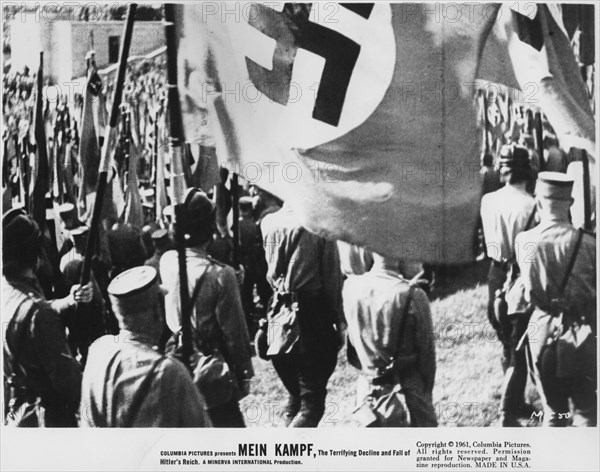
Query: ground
[[469, 373]]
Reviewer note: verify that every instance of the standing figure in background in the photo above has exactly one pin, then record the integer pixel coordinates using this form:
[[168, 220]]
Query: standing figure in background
[[252, 257], [505, 213], [126, 248]]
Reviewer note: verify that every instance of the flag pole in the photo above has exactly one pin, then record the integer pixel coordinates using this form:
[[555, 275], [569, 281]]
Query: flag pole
[[37, 200], [587, 201], [539, 139], [178, 185], [235, 199], [106, 150], [486, 123]]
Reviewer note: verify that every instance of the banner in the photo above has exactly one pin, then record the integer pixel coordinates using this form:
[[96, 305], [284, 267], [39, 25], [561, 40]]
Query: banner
[[360, 116], [529, 49]]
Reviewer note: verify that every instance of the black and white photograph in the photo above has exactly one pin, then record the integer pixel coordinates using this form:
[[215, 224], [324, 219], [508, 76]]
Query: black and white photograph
[[225, 222]]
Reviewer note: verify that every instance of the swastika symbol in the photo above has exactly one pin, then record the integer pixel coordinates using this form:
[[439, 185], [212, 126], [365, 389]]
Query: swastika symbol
[[292, 30], [529, 31]]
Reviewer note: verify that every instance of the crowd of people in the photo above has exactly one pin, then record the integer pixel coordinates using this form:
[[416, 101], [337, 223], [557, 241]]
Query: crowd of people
[[108, 353]]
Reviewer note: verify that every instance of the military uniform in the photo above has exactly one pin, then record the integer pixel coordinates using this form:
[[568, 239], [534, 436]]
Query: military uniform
[[127, 382], [545, 254], [35, 341], [38, 366], [374, 304], [310, 269], [253, 259], [218, 321], [504, 214], [115, 370]]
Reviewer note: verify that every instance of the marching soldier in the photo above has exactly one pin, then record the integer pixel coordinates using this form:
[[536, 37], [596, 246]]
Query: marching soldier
[[218, 320], [391, 330], [127, 382], [505, 213], [42, 378], [558, 267], [252, 258], [308, 266]]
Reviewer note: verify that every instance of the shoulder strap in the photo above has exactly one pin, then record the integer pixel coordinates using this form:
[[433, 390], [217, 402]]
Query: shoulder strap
[[193, 298], [405, 316], [530, 219], [292, 247], [141, 394], [563, 285], [197, 288]]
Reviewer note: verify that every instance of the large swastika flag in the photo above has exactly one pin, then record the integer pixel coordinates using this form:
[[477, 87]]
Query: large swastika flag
[[360, 115]]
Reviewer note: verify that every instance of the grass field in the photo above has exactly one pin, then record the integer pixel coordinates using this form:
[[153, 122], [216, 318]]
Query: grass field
[[469, 373]]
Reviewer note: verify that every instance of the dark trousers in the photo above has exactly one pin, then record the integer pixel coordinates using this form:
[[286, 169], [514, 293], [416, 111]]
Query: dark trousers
[[499, 321], [227, 415], [579, 388], [515, 378], [305, 371]]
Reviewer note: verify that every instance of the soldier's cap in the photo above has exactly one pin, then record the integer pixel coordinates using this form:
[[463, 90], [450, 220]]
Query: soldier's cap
[[160, 235], [245, 203], [68, 215], [147, 195], [18, 230], [198, 207], [514, 157], [554, 185], [135, 291], [487, 159]]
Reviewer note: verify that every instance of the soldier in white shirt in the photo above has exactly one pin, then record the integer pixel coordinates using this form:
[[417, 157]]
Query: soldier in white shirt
[[504, 214]]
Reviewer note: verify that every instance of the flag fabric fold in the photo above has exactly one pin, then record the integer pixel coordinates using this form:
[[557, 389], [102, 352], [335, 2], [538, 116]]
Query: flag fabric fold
[[529, 49], [364, 122], [94, 118]]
